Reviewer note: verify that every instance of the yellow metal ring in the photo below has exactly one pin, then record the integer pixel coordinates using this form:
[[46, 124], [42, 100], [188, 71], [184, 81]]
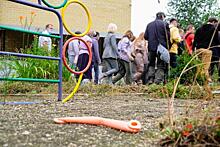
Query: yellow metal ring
[[64, 21], [74, 90]]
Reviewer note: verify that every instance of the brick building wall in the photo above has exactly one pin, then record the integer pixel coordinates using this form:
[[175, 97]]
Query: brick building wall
[[103, 12]]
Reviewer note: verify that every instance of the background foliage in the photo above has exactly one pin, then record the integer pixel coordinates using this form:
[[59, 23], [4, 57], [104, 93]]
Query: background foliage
[[194, 12]]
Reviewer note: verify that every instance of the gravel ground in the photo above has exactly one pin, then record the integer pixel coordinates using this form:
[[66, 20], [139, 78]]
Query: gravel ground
[[32, 125]]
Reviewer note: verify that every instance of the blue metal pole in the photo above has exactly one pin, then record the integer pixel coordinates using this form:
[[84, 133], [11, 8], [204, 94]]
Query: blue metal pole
[[61, 39], [28, 56], [60, 61], [39, 2]]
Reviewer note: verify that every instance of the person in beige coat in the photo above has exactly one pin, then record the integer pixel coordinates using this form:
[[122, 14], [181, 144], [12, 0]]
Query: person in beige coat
[[139, 52]]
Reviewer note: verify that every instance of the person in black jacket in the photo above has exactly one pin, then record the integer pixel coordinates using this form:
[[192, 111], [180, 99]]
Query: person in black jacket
[[157, 32], [206, 43], [215, 54]]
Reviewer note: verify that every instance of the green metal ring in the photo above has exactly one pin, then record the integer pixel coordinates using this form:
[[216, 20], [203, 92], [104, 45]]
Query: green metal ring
[[55, 7]]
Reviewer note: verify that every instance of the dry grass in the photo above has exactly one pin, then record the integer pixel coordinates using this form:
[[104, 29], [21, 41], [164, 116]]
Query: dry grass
[[155, 91]]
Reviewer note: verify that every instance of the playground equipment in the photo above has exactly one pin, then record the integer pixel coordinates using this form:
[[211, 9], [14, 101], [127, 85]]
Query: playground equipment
[[74, 90], [73, 71], [88, 15], [62, 22], [18, 103], [55, 7], [132, 126], [64, 58]]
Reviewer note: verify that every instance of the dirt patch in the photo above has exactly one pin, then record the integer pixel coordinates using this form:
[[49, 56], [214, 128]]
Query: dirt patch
[[32, 125]]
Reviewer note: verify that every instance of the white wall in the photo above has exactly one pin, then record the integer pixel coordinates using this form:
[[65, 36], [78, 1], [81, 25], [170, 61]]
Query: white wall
[[143, 12]]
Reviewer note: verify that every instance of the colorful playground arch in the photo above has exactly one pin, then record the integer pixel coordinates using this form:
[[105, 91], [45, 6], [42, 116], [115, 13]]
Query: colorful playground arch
[[88, 15], [64, 56], [74, 90], [61, 57], [64, 6], [73, 71], [75, 38], [55, 7]]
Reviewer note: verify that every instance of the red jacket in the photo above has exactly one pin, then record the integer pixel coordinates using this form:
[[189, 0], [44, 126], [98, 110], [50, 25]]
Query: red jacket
[[189, 38]]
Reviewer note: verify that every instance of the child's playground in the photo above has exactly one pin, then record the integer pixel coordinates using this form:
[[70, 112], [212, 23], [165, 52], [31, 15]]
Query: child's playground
[[54, 112]]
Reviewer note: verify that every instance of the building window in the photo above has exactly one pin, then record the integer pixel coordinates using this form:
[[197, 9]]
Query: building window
[[2, 40]]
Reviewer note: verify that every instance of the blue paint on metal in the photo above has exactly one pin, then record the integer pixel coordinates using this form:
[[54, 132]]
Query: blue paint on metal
[[28, 56], [39, 6], [39, 2], [18, 103]]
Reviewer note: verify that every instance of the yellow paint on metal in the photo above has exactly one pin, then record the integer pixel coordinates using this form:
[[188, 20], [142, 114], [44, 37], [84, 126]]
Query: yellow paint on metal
[[74, 90], [88, 15]]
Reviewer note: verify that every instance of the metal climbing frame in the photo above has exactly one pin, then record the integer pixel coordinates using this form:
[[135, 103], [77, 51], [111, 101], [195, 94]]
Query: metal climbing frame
[[59, 59]]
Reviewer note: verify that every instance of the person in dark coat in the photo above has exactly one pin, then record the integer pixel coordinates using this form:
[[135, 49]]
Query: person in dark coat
[[206, 43], [96, 60], [215, 61], [157, 32]]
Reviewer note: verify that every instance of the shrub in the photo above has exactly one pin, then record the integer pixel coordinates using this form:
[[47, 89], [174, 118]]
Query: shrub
[[38, 68], [188, 77], [192, 132]]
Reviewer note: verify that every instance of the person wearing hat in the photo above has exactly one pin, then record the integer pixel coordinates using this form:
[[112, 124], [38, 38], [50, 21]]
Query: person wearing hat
[[157, 34]]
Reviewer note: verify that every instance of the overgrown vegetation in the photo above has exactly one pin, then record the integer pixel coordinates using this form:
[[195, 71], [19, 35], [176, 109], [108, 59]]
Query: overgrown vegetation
[[187, 77], [201, 127], [35, 68], [152, 91], [29, 67]]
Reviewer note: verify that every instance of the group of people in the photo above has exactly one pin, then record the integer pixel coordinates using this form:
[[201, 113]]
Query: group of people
[[203, 42], [124, 59], [78, 55], [146, 58]]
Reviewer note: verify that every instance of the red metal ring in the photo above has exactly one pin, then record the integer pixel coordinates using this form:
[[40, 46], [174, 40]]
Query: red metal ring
[[64, 56]]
